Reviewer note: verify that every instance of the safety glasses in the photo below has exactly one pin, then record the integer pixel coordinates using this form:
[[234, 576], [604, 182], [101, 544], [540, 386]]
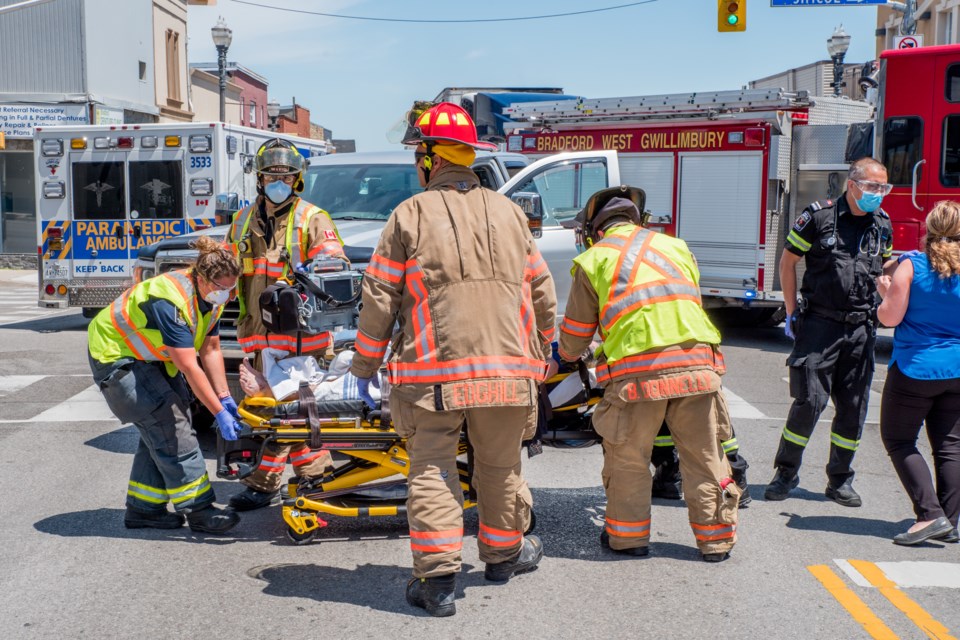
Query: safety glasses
[[881, 188], [267, 178]]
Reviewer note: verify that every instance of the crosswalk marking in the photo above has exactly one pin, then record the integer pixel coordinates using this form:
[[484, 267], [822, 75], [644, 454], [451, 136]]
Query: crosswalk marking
[[909, 574], [18, 302], [740, 408], [12, 384]]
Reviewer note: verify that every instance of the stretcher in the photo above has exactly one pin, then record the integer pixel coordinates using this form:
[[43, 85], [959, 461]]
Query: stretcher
[[371, 462]]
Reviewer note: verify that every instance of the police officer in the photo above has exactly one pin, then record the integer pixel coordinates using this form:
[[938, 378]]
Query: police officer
[[660, 361], [834, 326], [278, 232], [476, 305]]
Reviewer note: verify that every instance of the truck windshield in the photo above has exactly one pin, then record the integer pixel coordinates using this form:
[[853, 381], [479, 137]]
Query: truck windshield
[[360, 191], [156, 189], [99, 191]]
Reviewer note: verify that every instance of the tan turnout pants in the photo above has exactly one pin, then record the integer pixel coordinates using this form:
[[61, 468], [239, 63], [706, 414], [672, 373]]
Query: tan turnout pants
[[628, 429], [435, 500]]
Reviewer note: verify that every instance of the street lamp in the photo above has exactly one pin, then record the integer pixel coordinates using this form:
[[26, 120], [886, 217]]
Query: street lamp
[[222, 36], [837, 46], [273, 112]]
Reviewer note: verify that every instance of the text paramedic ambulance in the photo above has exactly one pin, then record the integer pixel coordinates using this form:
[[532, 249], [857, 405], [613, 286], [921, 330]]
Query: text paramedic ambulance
[[103, 192]]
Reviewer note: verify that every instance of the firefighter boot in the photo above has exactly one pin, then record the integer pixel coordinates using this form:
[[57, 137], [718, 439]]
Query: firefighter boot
[[632, 551], [530, 554], [212, 520], [844, 494], [781, 485], [134, 519], [740, 477], [667, 483], [435, 594], [250, 499]]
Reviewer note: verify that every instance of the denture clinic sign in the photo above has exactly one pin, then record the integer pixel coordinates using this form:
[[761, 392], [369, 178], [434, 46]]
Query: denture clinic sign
[[18, 120]]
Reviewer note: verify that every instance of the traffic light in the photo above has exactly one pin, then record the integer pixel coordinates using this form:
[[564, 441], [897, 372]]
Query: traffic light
[[731, 15]]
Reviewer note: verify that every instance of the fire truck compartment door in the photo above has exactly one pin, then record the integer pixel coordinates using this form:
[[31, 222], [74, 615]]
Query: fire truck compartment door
[[719, 213]]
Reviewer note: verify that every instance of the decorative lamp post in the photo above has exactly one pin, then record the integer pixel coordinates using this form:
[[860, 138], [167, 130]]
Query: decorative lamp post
[[273, 112], [837, 46], [222, 36]]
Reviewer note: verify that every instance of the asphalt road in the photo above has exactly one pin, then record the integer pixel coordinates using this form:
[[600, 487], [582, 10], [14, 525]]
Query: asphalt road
[[68, 567]]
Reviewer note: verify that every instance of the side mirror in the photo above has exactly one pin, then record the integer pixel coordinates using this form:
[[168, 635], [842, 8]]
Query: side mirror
[[529, 202], [227, 205]]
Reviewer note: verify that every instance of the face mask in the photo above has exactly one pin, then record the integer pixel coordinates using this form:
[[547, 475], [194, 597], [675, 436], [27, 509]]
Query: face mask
[[869, 202], [278, 191], [218, 297]]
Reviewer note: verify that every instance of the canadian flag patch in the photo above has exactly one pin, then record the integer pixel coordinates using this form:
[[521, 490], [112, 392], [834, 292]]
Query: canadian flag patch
[[329, 235]]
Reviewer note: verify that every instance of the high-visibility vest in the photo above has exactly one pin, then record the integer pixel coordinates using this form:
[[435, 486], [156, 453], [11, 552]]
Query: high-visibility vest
[[120, 330], [297, 220], [649, 293]]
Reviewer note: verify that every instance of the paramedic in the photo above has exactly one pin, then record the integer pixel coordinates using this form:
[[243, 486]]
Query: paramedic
[[833, 325], [660, 361], [278, 232], [143, 351], [476, 305]]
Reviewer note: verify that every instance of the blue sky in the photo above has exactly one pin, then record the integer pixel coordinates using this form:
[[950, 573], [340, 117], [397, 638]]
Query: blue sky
[[358, 77]]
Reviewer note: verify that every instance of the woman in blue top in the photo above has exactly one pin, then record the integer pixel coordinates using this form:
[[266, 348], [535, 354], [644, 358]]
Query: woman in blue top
[[922, 300]]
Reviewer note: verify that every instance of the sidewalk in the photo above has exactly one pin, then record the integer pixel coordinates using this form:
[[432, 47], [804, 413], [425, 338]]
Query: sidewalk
[[19, 276]]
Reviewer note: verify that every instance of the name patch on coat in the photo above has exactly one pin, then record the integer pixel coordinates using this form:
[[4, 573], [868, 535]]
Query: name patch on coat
[[486, 393], [674, 385]]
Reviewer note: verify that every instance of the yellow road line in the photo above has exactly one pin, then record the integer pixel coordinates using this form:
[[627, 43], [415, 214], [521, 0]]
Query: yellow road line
[[924, 621], [856, 607]]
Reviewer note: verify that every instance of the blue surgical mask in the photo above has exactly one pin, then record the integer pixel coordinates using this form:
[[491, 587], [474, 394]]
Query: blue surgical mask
[[869, 202], [278, 191]]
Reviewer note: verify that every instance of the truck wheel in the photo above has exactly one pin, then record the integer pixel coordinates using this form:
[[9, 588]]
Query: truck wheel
[[90, 312], [752, 317]]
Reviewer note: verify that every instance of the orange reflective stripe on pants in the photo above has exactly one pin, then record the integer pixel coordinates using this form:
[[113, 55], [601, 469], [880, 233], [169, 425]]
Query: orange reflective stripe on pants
[[436, 541], [713, 532], [499, 537], [622, 529]]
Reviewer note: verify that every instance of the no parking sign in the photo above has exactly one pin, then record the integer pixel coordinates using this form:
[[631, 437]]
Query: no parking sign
[[908, 42]]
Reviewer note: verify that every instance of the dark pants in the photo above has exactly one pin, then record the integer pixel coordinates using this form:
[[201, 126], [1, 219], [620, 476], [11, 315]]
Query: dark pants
[[665, 456], [168, 465], [907, 403], [829, 360]]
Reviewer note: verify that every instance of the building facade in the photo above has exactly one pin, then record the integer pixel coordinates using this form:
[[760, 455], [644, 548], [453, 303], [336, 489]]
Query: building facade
[[938, 21], [205, 98], [252, 99], [815, 78]]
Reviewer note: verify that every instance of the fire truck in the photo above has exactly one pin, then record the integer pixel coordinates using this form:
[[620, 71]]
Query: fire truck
[[725, 171], [105, 191]]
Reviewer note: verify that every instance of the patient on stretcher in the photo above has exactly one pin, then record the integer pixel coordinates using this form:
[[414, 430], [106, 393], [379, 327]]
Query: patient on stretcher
[[283, 373]]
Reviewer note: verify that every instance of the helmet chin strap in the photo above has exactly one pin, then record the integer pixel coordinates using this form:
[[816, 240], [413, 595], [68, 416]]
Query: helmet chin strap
[[428, 162]]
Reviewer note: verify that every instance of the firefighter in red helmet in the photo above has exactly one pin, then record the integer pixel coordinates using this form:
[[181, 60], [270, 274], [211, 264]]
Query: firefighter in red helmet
[[459, 364]]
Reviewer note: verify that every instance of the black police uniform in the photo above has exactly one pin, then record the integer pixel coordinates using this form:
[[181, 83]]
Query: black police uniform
[[836, 330], [666, 478]]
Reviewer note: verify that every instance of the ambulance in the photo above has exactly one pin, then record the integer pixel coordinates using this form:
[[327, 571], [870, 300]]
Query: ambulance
[[105, 191], [725, 171]]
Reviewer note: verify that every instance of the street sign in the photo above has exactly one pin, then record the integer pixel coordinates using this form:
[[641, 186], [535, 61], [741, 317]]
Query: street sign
[[908, 42], [825, 3]]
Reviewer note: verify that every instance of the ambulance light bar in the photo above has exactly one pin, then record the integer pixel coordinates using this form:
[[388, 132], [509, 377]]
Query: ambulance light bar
[[172, 141], [148, 142], [125, 143], [78, 143], [201, 187], [54, 191], [101, 143], [201, 144], [51, 147]]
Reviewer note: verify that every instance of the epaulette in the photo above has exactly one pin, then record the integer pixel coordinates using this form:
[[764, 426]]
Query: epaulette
[[819, 204]]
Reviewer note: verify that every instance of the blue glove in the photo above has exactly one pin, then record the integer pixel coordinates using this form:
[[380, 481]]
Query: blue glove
[[303, 267], [907, 254], [227, 424], [230, 405], [788, 325], [363, 389]]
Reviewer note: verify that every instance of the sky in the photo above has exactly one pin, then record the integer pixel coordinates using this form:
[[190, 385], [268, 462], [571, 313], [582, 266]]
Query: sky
[[359, 77]]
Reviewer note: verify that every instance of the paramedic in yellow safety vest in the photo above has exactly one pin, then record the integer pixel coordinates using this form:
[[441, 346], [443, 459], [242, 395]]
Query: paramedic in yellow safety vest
[[660, 360], [476, 305], [143, 351], [280, 231]]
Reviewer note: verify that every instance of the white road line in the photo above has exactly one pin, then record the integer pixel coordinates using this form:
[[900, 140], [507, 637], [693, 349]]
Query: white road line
[[910, 574], [86, 406], [740, 408], [12, 384]]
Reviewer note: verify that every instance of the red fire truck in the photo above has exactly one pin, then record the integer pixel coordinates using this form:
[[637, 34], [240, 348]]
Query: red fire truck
[[722, 170]]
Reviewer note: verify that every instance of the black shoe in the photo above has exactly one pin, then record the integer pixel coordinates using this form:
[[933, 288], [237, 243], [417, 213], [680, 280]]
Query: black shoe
[[716, 557], [632, 551], [939, 527], [741, 479], [212, 520], [250, 499], [844, 494], [436, 594], [134, 519], [530, 554], [781, 485], [668, 489], [952, 536]]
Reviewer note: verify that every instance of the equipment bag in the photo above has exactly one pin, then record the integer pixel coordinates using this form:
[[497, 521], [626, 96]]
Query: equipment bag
[[280, 308]]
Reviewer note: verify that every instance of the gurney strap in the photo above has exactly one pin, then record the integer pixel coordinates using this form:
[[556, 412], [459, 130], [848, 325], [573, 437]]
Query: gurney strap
[[308, 406]]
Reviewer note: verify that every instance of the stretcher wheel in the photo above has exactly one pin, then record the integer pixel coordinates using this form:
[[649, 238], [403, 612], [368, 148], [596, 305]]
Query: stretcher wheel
[[301, 538]]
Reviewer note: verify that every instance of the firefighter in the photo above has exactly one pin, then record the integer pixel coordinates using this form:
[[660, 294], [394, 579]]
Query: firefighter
[[278, 232], [660, 360], [667, 482], [143, 352], [476, 305], [834, 326]]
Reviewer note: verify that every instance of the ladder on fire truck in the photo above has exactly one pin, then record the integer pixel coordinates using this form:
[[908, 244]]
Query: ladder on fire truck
[[715, 105]]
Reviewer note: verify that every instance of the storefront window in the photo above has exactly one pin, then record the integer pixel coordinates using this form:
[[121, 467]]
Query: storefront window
[[18, 217]]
